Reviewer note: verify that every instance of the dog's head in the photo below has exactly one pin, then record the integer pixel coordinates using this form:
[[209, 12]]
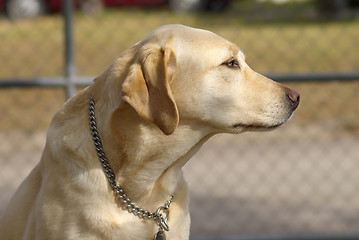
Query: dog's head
[[181, 73]]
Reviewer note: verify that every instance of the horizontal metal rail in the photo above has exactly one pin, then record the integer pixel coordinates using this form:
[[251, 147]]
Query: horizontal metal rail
[[87, 80], [44, 82], [310, 77]]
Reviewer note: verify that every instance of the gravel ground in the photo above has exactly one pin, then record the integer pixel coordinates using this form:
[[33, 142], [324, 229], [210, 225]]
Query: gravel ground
[[289, 181]]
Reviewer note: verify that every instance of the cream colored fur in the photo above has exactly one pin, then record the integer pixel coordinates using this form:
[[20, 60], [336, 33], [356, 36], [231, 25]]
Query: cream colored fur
[[155, 107]]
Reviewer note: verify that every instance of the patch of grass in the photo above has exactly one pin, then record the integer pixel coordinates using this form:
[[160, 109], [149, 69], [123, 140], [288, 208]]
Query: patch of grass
[[29, 109], [34, 47], [329, 102]]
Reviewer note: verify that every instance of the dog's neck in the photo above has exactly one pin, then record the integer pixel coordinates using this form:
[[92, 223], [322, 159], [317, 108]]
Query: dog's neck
[[146, 162]]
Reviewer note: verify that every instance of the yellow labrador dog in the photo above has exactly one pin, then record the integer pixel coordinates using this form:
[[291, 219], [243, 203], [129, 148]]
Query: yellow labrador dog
[[111, 167]]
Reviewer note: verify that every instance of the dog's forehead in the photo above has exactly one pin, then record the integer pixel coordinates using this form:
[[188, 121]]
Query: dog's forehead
[[184, 37], [201, 38], [204, 44]]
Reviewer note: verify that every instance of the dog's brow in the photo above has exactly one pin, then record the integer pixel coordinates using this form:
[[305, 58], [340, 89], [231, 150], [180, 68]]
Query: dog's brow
[[242, 54], [236, 51]]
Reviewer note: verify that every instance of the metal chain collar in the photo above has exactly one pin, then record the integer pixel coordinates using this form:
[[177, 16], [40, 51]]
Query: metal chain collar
[[161, 213]]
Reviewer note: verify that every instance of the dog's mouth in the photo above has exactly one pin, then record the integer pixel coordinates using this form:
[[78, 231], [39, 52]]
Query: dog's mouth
[[262, 127], [255, 127]]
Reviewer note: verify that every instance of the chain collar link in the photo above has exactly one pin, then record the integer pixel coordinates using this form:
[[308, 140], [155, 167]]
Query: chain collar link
[[129, 205]]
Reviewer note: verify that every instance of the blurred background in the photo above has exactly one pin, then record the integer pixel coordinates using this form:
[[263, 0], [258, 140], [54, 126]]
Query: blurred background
[[297, 182]]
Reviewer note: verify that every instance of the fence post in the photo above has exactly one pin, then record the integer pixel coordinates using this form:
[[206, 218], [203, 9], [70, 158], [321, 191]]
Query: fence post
[[70, 68]]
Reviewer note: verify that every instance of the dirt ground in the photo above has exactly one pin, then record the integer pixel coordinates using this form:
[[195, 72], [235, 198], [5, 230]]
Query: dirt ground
[[293, 180]]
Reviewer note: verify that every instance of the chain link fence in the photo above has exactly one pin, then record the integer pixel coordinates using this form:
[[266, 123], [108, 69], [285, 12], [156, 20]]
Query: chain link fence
[[297, 182]]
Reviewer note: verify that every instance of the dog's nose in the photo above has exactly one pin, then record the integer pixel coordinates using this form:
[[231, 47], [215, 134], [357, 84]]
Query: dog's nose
[[293, 96]]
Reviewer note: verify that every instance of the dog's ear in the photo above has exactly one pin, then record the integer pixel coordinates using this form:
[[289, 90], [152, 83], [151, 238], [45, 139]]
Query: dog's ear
[[147, 88]]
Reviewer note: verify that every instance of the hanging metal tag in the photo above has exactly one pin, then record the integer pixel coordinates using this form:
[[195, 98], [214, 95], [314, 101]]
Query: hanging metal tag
[[160, 235]]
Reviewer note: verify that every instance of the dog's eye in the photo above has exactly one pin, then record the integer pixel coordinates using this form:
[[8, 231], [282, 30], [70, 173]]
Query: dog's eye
[[233, 63]]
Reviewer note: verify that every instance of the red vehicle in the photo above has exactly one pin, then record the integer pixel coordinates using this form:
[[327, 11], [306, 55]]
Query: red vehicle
[[30, 8]]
